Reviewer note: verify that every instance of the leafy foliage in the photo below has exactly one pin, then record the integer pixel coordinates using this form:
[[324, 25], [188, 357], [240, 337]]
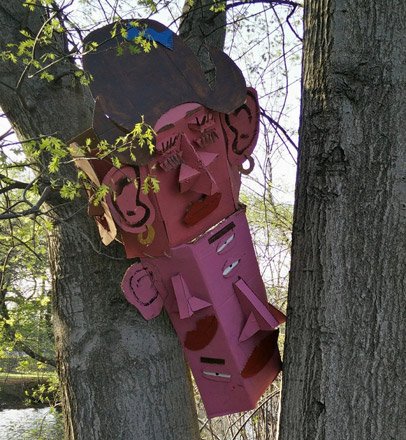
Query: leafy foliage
[[25, 314]]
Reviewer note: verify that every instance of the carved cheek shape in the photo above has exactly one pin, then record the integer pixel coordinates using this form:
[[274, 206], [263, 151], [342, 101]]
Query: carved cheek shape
[[140, 291], [130, 207], [204, 333], [261, 355]]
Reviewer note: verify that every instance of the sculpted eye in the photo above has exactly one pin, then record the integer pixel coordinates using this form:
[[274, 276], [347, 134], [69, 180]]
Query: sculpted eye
[[168, 143], [224, 245], [201, 122], [229, 268], [216, 374]]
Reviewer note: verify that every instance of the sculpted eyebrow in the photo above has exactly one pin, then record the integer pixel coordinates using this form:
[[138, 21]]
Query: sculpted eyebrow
[[222, 232], [193, 111], [165, 127]]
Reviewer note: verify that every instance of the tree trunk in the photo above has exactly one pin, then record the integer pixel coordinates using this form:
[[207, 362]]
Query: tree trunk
[[122, 377], [345, 351]]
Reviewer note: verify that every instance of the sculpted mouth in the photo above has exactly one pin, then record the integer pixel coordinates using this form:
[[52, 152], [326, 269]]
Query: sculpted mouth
[[204, 333], [201, 209]]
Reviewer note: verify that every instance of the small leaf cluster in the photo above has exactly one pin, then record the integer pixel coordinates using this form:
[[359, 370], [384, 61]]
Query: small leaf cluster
[[55, 147], [139, 44], [142, 135], [31, 4], [85, 78], [151, 4], [25, 50], [218, 6], [150, 183], [99, 194]]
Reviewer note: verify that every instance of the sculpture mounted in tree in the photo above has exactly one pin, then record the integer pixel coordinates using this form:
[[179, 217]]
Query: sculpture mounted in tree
[[197, 258]]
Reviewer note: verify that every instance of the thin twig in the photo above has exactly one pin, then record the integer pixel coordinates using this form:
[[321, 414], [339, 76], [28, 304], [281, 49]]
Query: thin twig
[[33, 210]]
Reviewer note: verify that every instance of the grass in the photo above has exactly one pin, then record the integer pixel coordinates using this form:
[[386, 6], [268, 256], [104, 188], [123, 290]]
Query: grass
[[16, 388], [28, 376]]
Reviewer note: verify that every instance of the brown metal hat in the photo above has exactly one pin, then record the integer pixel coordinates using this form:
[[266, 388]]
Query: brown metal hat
[[134, 85]]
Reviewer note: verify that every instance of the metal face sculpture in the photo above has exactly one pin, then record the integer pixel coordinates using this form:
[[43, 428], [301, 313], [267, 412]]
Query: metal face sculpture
[[198, 260]]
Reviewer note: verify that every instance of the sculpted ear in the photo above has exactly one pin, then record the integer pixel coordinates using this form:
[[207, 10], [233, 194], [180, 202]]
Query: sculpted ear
[[241, 128]]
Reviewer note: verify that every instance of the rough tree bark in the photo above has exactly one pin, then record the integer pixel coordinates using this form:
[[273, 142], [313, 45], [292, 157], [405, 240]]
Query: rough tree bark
[[345, 351], [122, 377]]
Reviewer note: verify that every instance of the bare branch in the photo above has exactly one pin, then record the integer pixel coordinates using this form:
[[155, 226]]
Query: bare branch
[[12, 184], [277, 126], [273, 2], [33, 210], [6, 134], [34, 355]]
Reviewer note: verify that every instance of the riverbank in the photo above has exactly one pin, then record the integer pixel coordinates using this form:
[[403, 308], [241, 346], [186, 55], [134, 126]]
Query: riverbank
[[19, 391]]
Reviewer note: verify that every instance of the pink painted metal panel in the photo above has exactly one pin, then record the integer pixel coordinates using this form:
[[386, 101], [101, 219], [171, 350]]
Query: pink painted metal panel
[[213, 292]]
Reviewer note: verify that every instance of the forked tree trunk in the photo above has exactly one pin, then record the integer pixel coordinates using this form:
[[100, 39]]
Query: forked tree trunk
[[345, 351], [122, 377]]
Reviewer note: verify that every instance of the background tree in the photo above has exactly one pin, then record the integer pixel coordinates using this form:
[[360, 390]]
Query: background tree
[[25, 315], [345, 355]]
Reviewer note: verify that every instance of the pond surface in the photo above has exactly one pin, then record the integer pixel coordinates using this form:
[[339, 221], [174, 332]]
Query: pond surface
[[29, 424]]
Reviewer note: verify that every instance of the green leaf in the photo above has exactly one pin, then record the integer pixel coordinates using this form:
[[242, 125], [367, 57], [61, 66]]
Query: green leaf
[[100, 194], [70, 190], [150, 183], [47, 76], [116, 162]]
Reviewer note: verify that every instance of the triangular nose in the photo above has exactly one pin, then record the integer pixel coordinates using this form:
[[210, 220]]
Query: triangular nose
[[187, 304], [205, 185], [206, 158], [188, 176], [250, 328], [260, 316]]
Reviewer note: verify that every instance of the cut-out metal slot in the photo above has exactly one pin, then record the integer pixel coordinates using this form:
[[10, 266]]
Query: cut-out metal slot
[[208, 360], [222, 232]]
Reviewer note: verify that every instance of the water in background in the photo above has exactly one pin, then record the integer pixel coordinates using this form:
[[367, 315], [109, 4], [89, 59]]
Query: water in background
[[29, 424]]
